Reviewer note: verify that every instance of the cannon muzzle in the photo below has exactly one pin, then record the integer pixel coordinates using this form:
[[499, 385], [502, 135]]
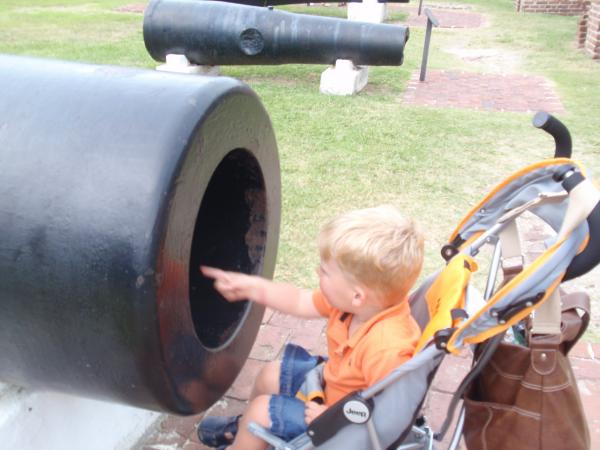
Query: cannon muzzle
[[218, 33], [116, 185]]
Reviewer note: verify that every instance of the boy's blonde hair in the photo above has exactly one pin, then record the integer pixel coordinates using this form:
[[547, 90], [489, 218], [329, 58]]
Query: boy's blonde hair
[[378, 247]]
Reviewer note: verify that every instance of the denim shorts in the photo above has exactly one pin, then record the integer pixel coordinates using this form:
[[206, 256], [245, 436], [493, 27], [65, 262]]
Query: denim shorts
[[285, 410]]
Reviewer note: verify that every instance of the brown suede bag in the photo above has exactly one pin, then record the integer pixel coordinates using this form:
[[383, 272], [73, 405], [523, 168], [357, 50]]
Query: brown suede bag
[[527, 397]]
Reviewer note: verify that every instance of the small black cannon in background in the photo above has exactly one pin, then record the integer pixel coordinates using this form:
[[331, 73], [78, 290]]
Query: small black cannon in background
[[295, 2], [218, 33], [115, 185]]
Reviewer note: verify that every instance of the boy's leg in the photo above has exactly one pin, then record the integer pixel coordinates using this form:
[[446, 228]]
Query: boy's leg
[[257, 412], [267, 381], [282, 415], [277, 377], [295, 363], [216, 430]]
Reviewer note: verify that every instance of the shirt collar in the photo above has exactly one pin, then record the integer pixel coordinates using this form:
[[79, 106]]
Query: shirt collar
[[401, 309]]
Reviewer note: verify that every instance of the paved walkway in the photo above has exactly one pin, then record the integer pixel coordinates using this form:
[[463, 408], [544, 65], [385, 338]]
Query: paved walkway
[[174, 433], [483, 91], [501, 91]]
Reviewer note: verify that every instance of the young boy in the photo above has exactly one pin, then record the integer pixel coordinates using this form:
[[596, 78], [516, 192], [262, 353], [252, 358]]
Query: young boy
[[370, 259]]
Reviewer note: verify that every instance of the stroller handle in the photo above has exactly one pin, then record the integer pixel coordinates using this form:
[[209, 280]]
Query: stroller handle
[[560, 133]]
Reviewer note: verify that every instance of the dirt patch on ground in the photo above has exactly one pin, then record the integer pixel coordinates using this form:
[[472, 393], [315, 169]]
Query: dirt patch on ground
[[488, 59]]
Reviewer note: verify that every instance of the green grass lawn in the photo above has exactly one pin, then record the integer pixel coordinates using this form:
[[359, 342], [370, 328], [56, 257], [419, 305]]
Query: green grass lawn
[[339, 153]]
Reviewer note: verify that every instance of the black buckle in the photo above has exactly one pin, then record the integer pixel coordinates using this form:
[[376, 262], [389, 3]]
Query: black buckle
[[503, 315], [451, 249], [559, 176], [441, 338], [448, 252], [457, 313]]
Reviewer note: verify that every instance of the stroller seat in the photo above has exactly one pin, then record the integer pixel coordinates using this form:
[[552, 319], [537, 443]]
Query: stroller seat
[[453, 315], [382, 417]]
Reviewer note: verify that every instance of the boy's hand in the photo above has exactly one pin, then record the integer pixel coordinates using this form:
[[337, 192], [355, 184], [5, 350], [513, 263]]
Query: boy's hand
[[284, 297], [312, 411], [234, 286]]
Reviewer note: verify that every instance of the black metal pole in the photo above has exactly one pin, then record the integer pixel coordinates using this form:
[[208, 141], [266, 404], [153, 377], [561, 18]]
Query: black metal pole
[[431, 22]]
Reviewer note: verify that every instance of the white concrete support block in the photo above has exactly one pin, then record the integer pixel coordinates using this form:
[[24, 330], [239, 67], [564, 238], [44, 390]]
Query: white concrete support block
[[31, 420], [344, 78], [367, 11], [180, 64]]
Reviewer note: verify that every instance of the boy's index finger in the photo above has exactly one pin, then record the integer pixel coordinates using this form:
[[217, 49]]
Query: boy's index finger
[[212, 272]]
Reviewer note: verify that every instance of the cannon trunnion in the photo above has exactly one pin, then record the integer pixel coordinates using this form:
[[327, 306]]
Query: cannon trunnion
[[116, 184]]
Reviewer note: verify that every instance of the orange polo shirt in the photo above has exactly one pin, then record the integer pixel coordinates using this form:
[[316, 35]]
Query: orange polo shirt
[[380, 345]]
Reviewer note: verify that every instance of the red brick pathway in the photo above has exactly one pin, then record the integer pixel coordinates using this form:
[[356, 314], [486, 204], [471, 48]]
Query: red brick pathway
[[488, 92], [176, 433]]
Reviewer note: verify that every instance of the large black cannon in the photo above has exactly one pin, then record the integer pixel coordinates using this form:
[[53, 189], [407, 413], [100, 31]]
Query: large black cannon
[[115, 185], [218, 33]]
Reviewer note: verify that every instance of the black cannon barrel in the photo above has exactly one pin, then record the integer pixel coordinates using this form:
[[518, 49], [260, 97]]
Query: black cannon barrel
[[116, 184], [218, 33]]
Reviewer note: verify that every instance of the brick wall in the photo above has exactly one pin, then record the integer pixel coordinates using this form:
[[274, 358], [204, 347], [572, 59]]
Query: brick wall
[[592, 36], [562, 7], [582, 25]]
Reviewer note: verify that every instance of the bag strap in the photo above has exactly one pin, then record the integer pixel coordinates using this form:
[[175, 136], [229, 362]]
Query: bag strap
[[546, 318], [512, 256], [562, 314], [575, 318]]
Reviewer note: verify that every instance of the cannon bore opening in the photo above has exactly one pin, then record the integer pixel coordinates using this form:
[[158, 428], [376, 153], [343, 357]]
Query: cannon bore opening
[[230, 233]]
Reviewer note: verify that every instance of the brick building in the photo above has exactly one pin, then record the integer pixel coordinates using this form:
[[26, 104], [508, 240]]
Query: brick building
[[588, 33], [562, 7]]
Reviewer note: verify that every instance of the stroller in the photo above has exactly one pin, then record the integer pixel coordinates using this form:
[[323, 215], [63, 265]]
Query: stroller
[[453, 314]]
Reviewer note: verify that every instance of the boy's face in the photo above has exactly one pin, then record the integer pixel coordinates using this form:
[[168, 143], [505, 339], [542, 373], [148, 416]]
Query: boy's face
[[337, 287]]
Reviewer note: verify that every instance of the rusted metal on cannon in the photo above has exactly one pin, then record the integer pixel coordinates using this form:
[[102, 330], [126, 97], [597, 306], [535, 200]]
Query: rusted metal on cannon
[[218, 33], [116, 184]]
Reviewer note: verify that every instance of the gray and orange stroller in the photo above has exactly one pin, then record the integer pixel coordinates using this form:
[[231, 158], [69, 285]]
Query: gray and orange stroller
[[454, 315]]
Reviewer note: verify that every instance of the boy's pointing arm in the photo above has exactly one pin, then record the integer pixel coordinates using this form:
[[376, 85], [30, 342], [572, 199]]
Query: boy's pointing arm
[[284, 297]]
